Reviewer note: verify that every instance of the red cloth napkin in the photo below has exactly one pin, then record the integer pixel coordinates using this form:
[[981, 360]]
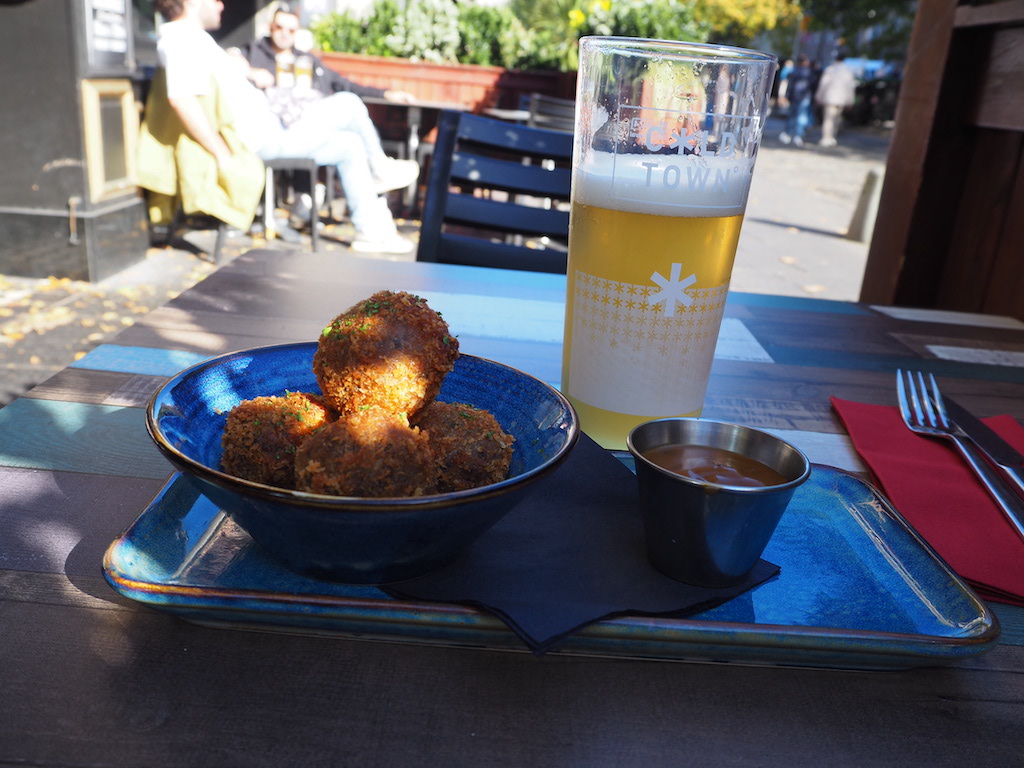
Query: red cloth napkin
[[932, 487]]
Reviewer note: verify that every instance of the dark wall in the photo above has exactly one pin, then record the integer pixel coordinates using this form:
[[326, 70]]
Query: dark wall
[[48, 223], [40, 137], [237, 23]]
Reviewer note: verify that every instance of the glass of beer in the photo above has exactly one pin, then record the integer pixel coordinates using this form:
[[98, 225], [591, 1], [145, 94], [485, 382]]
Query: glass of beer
[[665, 139]]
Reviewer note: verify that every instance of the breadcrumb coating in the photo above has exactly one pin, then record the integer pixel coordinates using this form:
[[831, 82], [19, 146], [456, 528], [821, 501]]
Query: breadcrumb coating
[[377, 430], [262, 435], [367, 453], [391, 351], [468, 445]]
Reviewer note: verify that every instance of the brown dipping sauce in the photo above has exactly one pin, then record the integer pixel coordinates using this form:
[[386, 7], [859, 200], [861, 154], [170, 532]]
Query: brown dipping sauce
[[714, 465]]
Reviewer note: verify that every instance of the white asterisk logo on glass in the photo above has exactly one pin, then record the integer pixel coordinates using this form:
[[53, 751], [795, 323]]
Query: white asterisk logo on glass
[[672, 290]]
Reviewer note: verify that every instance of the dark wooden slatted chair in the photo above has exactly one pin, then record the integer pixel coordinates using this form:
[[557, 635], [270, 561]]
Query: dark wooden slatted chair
[[950, 227], [551, 112], [497, 195]]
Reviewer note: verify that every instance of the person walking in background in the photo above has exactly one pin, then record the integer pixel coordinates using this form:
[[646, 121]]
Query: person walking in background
[[782, 83], [835, 93], [799, 92]]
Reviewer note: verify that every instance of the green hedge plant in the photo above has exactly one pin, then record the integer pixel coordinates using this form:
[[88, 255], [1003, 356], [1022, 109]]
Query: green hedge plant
[[525, 34]]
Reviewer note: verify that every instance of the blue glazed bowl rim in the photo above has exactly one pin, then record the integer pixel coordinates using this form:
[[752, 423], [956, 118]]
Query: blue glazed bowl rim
[[348, 504]]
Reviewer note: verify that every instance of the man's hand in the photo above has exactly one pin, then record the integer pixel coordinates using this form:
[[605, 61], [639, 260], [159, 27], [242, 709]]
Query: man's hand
[[198, 127], [400, 97], [261, 78]]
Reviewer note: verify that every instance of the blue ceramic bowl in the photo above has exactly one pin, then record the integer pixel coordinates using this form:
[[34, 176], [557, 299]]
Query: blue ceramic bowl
[[351, 539]]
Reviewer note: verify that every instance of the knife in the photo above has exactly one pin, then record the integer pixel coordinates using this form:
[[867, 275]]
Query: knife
[[996, 450]]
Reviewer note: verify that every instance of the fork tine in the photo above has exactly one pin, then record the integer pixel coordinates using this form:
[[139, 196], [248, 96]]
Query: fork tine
[[907, 396], [915, 400], [926, 400], [940, 406], [911, 394], [901, 396]]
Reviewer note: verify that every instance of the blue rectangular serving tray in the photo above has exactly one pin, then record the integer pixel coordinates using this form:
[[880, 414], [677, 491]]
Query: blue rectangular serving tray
[[859, 589]]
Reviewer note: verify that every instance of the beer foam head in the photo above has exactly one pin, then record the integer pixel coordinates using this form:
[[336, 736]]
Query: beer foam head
[[665, 184]]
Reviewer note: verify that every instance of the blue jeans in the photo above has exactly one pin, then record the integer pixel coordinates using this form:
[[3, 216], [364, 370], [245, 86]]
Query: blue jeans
[[799, 118], [338, 131]]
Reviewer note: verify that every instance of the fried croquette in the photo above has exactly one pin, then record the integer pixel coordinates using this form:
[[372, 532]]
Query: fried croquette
[[370, 452], [262, 435], [391, 351], [469, 446]]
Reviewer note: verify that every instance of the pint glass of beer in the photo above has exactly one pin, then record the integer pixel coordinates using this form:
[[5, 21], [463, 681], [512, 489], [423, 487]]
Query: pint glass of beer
[[665, 139]]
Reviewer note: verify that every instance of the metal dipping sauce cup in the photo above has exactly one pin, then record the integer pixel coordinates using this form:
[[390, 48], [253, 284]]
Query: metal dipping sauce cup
[[703, 533]]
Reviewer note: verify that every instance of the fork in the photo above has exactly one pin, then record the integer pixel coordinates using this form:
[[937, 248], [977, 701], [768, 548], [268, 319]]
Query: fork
[[924, 412]]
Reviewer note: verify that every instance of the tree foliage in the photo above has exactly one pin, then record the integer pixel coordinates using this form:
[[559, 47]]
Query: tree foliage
[[738, 22], [872, 28], [427, 30], [491, 35], [557, 24], [543, 34], [348, 33]]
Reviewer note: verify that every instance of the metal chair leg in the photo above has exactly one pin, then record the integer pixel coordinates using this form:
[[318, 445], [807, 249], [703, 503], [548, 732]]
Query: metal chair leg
[[314, 210], [218, 244], [269, 205], [329, 182]]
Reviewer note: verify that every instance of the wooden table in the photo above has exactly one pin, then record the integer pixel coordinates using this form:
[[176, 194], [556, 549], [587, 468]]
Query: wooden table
[[89, 678]]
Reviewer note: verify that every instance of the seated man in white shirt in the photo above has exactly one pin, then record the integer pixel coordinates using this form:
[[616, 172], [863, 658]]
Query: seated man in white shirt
[[192, 59]]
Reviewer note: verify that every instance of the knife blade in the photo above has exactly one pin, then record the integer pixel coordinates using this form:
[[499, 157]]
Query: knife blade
[[1008, 459]]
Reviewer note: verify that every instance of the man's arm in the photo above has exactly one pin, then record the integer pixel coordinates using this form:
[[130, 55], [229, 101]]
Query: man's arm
[[192, 116], [327, 81], [259, 76], [335, 83]]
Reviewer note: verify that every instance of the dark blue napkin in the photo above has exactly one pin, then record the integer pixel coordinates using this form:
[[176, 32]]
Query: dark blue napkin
[[569, 554]]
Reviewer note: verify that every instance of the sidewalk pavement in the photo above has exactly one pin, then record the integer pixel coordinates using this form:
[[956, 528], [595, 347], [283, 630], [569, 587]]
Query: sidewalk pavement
[[793, 243], [802, 202]]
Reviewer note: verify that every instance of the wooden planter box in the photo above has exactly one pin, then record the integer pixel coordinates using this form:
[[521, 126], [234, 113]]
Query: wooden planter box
[[474, 86]]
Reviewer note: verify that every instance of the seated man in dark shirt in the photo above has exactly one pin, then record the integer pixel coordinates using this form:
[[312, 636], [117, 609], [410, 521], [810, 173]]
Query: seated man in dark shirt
[[295, 80], [284, 26]]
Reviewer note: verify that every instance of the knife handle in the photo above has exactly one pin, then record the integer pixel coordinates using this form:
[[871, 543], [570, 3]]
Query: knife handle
[[1009, 502]]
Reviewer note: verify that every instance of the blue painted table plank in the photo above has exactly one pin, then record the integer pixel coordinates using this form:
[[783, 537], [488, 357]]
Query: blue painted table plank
[[78, 437], [1011, 619], [795, 302], [846, 360], [142, 360]]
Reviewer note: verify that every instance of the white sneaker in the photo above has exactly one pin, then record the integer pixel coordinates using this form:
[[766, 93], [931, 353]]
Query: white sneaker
[[395, 174], [395, 244], [302, 208], [797, 141], [785, 138], [827, 143]]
